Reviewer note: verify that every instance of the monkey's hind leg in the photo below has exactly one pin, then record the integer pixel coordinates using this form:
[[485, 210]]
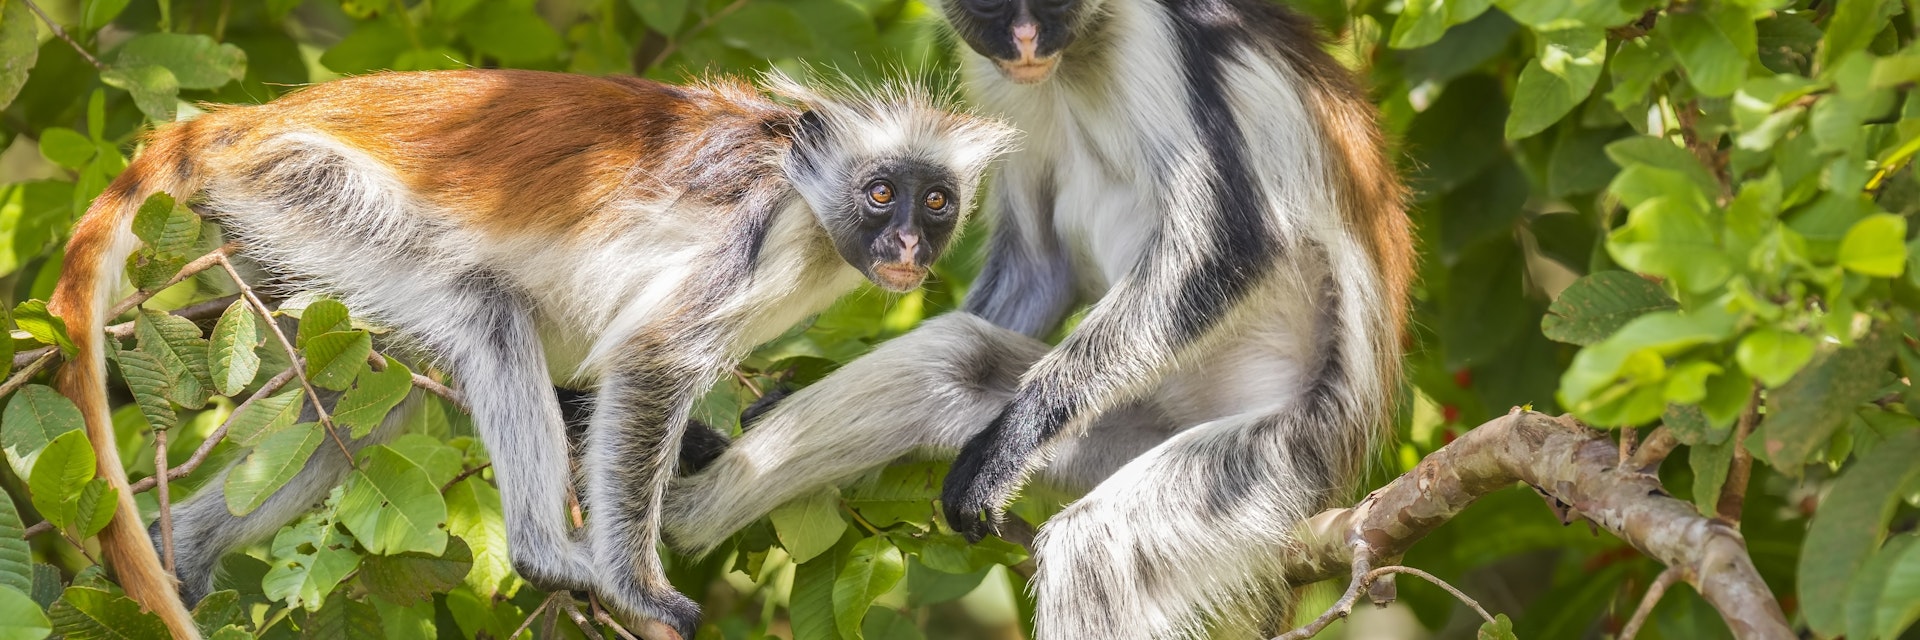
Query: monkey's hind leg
[[204, 530], [930, 389], [1186, 540]]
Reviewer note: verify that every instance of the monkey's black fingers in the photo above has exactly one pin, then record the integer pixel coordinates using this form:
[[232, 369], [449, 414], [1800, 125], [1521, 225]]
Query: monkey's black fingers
[[976, 485], [764, 404], [700, 447]]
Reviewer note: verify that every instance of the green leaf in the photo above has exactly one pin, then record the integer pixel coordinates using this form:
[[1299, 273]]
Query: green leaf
[[19, 49], [768, 30], [1422, 22], [266, 417], [374, 394], [373, 46], [473, 514], [86, 613], [324, 315], [310, 559], [440, 460], [1559, 77], [808, 526], [1659, 153], [32, 317], [664, 16], [271, 464], [1803, 413], [1773, 355], [1876, 246], [99, 13], [230, 632], [95, 507], [155, 90], [872, 568], [1672, 237], [176, 344], [16, 557], [334, 359], [1499, 629], [171, 246], [1643, 341], [810, 608], [20, 617], [1710, 464], [512, 32], [409, 578], [1713, 46], [196, 61], [230, 353], [886, 624], [342, 617], [1899, 604], [1549, 15], [1853, 25], [151, 383], [66, 147], [35, 416], [1849, 525], [1597, 305], [63, 470], [150, 220], [1635, 66], [391, 507], [219, 609]]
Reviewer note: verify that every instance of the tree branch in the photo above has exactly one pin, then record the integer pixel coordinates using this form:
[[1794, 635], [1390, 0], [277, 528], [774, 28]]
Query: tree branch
[[1571, 463]]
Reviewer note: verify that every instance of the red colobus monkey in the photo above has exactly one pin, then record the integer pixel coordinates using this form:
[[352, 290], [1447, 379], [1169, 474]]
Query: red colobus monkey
[[1216, 186], [512, 223]]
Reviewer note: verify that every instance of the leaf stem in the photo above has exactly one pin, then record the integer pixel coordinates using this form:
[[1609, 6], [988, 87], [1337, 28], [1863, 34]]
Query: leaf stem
[[298, 364]]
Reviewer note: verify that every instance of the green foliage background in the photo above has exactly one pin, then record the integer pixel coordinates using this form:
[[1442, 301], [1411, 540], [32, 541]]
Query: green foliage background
[[1640, 211]]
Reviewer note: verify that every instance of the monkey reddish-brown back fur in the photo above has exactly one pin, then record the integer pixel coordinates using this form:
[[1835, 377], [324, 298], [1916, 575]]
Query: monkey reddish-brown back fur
[[464, 208]]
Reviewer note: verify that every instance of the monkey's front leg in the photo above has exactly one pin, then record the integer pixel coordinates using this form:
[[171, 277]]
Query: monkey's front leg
[[632, 443]]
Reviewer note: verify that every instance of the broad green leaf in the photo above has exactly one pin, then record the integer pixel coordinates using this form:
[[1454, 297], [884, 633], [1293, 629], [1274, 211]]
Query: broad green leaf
[[95, 507], [1672, 237], [32, 317], [98, 13], [768, 30], [1661, 154], [664, 16], [1500, 628], [265, 418], [1773, 355], [272, 463], [927, 586], [1863, 593], [61, 473], [810, 607], [310, 559], [230, 353], [1713, 45], [66, 147], [373, 395], [1899, 603], [1595, 306], [409, 578], [1853, 25], [324, 315], [16, 557], [1635, 66], [342, 617], [175, 342], [151, 383], [473, 514], [19, 49], [1803, 413], [1559, 77], [230, 632], [1422, 22], [1710, 463], [196, 61], [20, 617], [1849, 525], [150, 220], [512, 32], [155, 90], [886, 624], [86, 613], [217, 610], [171, 247], [871, 569], [34, 417], [392, 507], [334, 359], [373, 46], [1643, 341], [809, 526], [1550, 15], [440, 460], [1876, 246]]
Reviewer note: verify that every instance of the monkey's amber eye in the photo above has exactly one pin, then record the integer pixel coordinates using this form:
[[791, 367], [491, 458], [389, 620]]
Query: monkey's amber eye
[[937, 200], [880, 193]]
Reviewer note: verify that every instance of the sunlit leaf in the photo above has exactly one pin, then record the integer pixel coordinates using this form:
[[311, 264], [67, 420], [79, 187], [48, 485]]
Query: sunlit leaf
[[274, 461]]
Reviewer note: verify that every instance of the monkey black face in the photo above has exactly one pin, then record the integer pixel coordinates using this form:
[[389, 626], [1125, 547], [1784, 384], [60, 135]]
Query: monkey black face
[[904, 214], [1022, 37]]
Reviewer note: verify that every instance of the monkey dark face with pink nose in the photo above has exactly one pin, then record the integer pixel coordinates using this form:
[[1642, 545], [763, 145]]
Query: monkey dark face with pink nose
[[1023, 38], [906, 215]]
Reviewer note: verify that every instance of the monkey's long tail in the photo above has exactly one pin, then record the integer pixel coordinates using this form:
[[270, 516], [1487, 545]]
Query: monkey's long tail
[[95, 262]]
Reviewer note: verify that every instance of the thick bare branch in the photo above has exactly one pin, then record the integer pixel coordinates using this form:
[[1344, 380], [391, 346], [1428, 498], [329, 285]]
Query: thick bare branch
[[1573, 464]]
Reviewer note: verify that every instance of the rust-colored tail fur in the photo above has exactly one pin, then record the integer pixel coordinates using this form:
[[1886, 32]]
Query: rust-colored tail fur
[[90, 277]]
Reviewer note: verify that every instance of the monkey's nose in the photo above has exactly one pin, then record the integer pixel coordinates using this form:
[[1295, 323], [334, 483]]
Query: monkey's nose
[[908, 241], [1025, 37]]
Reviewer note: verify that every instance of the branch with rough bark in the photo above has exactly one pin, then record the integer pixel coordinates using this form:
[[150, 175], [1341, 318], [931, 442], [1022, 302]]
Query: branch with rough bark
[[1566, 461]]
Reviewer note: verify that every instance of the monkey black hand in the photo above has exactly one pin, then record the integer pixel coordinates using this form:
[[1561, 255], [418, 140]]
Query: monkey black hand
[[988, 471]]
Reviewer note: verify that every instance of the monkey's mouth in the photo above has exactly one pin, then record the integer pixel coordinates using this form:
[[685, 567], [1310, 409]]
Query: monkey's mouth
[[898, 277], [1028, 70]]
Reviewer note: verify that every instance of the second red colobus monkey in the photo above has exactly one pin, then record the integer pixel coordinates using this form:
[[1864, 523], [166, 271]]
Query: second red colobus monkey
[[512, 223]]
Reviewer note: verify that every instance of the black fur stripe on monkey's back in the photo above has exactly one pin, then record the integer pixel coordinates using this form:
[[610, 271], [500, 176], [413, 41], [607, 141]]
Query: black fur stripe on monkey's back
[[699, 446]]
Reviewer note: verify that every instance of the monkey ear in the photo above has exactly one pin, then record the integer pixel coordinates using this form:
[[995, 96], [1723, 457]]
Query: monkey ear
[[808, 123]]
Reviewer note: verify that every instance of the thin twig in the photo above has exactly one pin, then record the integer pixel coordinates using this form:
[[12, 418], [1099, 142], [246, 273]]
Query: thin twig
[[1382, 571], [202, 263], [434, 387], [744, 380], [78, 547], [1733, 494], [293, 355], [62, 34], [219, 433], [600, 616], [26, 373], [1362, 567], [165, 501], [524, 625], [674, 43], [1654, 450], [1654, 591], [464, 475], [579, 620]]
